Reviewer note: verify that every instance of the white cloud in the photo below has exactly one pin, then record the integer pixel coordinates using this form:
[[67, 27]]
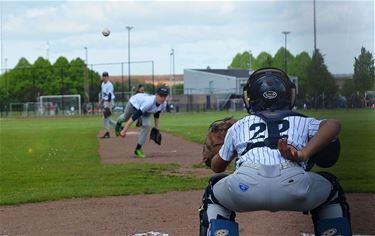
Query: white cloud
[[202, 33]]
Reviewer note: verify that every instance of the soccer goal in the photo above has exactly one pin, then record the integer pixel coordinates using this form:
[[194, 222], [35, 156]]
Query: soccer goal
[[60, 105]]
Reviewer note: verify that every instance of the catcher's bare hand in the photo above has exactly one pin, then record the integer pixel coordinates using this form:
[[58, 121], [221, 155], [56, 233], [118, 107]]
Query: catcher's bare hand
[[289, 152]]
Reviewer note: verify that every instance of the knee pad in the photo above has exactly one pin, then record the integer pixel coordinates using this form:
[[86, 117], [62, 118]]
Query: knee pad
[[332, 227], [209, 198], [335, 226], [221, 227]]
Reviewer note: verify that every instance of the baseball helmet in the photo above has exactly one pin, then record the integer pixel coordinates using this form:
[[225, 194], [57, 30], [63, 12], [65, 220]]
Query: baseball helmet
[[269, 88], [162, 90], [105, 74]]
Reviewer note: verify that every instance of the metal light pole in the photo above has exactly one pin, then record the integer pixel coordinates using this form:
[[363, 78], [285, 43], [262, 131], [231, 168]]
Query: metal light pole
[[6, 85], [1, 39], [129, 83], [86, 79], [250, 53], [314, 28], [122, 85], [173, 70], [153, 77], [285, 56], [47, 50]]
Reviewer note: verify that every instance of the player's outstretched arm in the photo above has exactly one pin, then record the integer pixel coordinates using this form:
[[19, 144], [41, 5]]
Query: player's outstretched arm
[[126, 127]]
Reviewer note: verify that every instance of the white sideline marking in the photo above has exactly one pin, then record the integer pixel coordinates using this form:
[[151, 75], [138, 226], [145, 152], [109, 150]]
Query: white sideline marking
[[151, 233], [310, 234], [131, 133]]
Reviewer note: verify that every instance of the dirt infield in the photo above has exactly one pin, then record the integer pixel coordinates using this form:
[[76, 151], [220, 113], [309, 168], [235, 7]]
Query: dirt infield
[[173, 213]]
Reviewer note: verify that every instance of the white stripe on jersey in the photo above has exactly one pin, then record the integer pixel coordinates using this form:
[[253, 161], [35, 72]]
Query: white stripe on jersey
[[253, 129]]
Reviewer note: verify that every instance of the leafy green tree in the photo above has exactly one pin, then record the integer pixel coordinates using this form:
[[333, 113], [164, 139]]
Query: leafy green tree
[[61, 70], [77, 75], [364, 73], [94, 85], [348, 88], [264, 59], [178, 89], [298, 68], [241, 61], [20, 82], [25, 82], [320, 83], [42, 76], [279, 59]]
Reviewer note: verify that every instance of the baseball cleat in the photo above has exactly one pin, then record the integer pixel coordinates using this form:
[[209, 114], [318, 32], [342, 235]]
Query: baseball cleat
[[118, 128], [139, 153], [106, 135]]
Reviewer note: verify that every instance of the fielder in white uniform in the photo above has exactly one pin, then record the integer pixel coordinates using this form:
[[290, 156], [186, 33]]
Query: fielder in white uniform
[[107, 101], [273, 145], [142, 105]]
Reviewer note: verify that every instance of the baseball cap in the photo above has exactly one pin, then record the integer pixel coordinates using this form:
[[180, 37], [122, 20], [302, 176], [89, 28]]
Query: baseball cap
[[163, 90], [105, 74]]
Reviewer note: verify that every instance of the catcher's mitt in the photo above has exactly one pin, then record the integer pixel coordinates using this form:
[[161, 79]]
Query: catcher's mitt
[[215, 138], [107, 112], [155, 135]]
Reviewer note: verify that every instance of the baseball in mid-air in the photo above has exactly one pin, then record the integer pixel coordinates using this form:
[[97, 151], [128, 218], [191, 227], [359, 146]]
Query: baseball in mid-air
[[106, 32]]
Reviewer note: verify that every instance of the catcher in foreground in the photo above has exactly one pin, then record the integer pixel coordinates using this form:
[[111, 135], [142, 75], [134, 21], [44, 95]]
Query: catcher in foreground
[[274, 146]]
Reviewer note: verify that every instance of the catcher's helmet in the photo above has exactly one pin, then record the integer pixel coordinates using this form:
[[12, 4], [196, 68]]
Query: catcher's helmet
[[269, 88]]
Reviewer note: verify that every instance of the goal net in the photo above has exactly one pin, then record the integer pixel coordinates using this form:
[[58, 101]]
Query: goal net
[[59, 105]]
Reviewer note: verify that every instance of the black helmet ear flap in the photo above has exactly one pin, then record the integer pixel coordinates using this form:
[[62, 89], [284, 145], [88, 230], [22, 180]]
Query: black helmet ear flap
[[293, 92]]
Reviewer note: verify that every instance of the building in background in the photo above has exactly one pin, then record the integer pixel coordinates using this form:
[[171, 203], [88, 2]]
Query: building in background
[[218, 81]]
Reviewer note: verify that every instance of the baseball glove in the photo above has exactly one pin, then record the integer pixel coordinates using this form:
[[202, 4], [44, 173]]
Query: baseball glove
[[155, 135], [107, 112], [326, 157], [215, 138]]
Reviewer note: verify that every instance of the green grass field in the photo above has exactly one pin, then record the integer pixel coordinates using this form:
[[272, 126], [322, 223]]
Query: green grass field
[[55, 158]]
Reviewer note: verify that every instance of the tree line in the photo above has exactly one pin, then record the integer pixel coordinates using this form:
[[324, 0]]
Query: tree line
[[316, 84], [26, 82]]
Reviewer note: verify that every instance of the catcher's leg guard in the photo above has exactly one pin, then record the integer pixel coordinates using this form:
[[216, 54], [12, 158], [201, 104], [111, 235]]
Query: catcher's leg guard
[[209, 198], [327, 220], [223, 227]]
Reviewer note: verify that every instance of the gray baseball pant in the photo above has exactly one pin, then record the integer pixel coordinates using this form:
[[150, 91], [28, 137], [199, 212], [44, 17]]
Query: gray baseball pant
[[146, 122], [108, 121], [273, 188]]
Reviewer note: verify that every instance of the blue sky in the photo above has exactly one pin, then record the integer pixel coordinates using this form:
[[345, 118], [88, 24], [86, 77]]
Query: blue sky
[[202, 34]]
